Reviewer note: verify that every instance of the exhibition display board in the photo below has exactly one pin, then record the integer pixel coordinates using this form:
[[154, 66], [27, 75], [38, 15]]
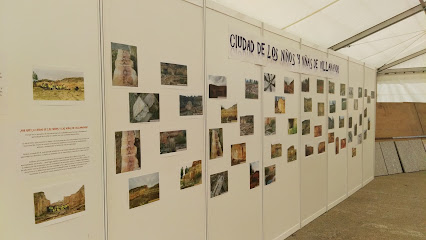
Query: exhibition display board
[[175, 121]]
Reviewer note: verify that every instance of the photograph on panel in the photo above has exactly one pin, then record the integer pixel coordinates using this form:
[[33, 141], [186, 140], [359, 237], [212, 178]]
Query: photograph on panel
[[50, 84], [318, 131], [321, 147], [190, 105], [360, 119], [355, 129], [144, 189], [306, 127], [365, 92], [292, 126], [369, 124], [238, 154], [191, 174], [216, 142], [291, 154], [341, 121], [305, 85], [218, 184], [373, 94], [288, 85], [321, 109], [124, 65], [359, 92], [330, 87], [217, 86], [368, 99], [343, 143], [279, 104], [332, 106], [355, 104], [55, 202], [337, 142], [307, 104], [276, 150], [144, 107], [360, 138], [269, 82], [351, 92], [270, 126], [353, 152], [331, 137], [320, 86], [330, 122], [254, 174], [342, 89], [246, 125], [350, 136], [127, 151], [344, 104], [365, 112], [173, 141], [174, 74], [350, 122], [252, 89], [365, 134], [309, 150], [270, 174], [228, 113]]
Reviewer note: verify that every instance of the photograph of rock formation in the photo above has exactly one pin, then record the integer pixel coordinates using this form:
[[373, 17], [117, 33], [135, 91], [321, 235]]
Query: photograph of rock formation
[[330, 87], [238, 154], [229, 115], [279, 104], [172, 141], [351, 92], [252, 89], [291, 154], [305, 85], [269, 82], [292, 126], [57, 85], [276, 150], [331, 137], [218, 184], [320, 109], [321, 147], [127, 151], [270, 126], [350, 136], [174, 74], [332, 106], [246, 125], [342, 89], [306, 127], [318, 131], [216, 143], [337, 142], [191, 175], [320, 86], [254, 174], [288, 85], [353, 152], [190, 105], [330, 122], [144, 107], [269, 174], [217, 86], [343, 143], [344, 104], [59, 201], [124, 65], [359, 92], [307, 104], [350, 122], [309, 150], [341, 121], [144, 189]]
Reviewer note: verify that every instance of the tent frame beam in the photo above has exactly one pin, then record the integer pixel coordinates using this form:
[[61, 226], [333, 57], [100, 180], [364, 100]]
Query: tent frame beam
[[401, 60], [395, 19], [403, 70]]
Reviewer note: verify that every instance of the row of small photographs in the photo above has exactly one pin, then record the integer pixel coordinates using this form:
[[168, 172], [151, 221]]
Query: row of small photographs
[[125, 68], [320, 86], [307, 106], [218, 87], [341, 122]]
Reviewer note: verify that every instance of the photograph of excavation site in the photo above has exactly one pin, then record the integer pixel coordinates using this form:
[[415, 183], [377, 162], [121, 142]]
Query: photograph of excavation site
[[174, 74], [57, 85], [191, 175]]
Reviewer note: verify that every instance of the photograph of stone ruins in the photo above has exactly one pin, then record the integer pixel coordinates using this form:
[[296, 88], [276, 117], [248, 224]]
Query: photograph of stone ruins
[[124, 65], [174, 74], [144, 107], [50, 204], [216, 143], [127, 151], [238, 154]]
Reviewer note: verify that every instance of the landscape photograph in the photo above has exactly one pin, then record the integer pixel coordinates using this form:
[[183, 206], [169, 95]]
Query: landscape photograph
[[252, 89], [306, 127], [321, 147], [269, 82], [191, 175], [318, 131], [309, 150], [331, 137], [342, 89], [321, 109], [350, 136], [218, 184], [341, 121], [288, 85], [238, 154], [144, 107], [276, 150], [216, 142], [174, 74], [355, 104], [353, 152], [254, 174], [343, 143], [351, 92], [291, 154], [228, 115], [344, 105], [330, 87], [269, 174], [292, 126], [332, 106], [350, 122], [305, 85], [144, 190], [307, 104], [172, 141], [320, 86], [337, 142], [59, 201], [270, 126], [190, 105], [246, 125], [124, 65], [217, 86], [127, 151], [51, 84], [279, 104], [330, 122]]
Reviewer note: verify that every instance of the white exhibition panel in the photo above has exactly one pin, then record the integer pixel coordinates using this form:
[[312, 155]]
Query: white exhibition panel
[[281, 199], [313, 192], [44, 34], [356, 81], [236, 214], [168, 32], [338, 161], [368, 149]]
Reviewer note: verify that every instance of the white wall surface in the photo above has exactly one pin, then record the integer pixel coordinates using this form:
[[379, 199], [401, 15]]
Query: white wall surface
[[409, 87]]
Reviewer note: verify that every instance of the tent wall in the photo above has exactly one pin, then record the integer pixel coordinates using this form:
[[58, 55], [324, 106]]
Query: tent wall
[[408, 87]]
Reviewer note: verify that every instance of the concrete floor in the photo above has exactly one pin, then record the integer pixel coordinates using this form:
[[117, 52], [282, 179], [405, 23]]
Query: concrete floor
[[390, 207]]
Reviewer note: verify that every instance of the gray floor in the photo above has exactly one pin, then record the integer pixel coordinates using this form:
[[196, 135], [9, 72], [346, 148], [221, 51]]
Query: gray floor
[[390, 207]]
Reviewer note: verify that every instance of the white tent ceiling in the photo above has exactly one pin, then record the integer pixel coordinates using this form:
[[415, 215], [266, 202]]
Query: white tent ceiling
[[328, 22]]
